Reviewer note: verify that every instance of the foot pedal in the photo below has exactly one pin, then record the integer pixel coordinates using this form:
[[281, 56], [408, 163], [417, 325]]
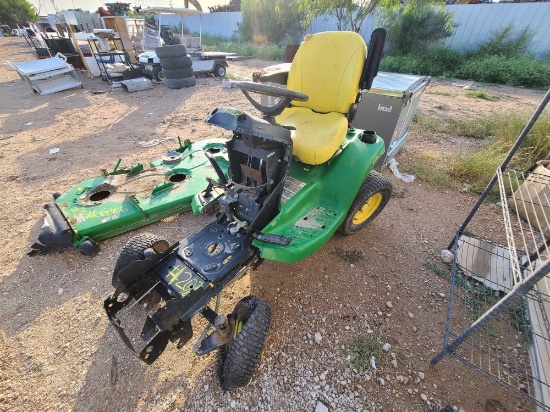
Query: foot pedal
[[272, 239]]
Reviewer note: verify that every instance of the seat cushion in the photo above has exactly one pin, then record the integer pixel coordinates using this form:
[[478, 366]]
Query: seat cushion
[[317, 135], [328, 68]]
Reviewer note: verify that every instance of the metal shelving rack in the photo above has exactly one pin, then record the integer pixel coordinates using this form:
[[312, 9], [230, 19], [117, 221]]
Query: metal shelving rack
[[499, 302], [116, 53]]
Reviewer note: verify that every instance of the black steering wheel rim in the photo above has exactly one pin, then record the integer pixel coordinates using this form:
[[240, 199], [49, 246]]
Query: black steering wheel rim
[[274, 91]]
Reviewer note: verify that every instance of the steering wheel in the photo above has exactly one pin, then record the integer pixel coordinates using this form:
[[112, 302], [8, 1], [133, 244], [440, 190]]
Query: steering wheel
[[274, 91]]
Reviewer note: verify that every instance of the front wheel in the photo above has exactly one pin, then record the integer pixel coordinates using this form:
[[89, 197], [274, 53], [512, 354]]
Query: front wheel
[[374, 194], [135, 250], [238, 360]]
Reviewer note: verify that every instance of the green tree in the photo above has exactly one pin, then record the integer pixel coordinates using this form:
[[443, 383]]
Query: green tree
[[270, 20], [412, 29], [351, 14], [17, 12]]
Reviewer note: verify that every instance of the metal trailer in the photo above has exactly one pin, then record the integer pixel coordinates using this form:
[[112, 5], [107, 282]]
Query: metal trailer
[[203, 62], [388, 108]]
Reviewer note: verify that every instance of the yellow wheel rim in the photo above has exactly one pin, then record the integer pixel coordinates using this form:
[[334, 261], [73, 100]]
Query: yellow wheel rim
[[238, 327], [368, 208]]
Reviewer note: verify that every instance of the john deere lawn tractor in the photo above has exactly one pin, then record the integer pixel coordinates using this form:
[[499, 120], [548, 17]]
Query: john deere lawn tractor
[[294, 177]]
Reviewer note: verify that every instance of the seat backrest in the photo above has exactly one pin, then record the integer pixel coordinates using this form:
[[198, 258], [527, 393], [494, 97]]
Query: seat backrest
[[328, 67]]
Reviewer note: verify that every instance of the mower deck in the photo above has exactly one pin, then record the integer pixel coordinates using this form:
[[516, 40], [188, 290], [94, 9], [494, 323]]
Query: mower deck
[[128, 198]]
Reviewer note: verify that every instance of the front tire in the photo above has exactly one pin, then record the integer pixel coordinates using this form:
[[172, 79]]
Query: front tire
[[238, 360], [135, 249], [373, 196]]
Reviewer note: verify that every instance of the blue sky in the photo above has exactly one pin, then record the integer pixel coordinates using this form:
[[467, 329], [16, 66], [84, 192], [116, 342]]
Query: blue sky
[[46, 7]]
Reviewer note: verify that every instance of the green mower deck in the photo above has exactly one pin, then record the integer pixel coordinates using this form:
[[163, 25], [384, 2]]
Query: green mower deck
[[128, 198]]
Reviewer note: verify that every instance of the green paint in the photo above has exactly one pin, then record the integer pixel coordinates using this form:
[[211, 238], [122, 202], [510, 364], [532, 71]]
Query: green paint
[[318, 198], [133, 197]]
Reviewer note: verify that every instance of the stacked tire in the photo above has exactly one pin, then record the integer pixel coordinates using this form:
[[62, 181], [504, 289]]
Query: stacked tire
[[177, 66]]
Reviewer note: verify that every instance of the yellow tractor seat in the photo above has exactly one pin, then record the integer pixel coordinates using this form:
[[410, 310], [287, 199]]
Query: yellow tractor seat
[[317, 135], [328, 68]]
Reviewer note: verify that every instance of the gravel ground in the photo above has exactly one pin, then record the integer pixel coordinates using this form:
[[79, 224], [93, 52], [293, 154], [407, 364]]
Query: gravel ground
[[58, 348]]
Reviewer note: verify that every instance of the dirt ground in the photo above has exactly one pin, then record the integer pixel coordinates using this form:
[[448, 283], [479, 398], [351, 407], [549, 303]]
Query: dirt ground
[[57, 348]]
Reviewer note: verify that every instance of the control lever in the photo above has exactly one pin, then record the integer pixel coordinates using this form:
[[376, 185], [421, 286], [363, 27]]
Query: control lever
[[216, 167], [272, 238]]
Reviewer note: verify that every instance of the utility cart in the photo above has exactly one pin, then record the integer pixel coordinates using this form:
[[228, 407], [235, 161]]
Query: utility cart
[[203, 62]]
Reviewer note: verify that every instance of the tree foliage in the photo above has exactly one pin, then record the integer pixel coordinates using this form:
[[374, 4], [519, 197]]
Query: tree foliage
[[234, 5], [417, 28], [507, 42], [17, 12], [270, 20], [351, 14]]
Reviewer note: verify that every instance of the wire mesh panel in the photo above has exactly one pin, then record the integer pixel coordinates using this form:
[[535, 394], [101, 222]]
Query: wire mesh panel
[[499, 305]]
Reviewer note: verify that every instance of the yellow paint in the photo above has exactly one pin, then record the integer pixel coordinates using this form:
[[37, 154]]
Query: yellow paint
[[183, 279], [174, 274], [238, 327], [368, 208], [327, 68]]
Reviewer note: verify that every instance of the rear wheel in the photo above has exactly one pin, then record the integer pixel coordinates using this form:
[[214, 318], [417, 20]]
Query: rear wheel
[[219, 71], [374, 194], [158, 74], [238, 361], [135, 250]]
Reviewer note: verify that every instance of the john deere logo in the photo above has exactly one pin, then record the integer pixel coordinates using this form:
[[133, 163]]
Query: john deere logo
[[384, 108]]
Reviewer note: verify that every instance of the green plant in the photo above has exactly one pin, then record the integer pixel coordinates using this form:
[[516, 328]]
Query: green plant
[[259, 51], [443, 61], [517, 71], [474, 168], [478, 128], [519, 319], [363, 347], [17, 13], [438, 270], [414, 29], [179, 29], [506, 42], [478, 94], [269, 20], [431, 174], [477, 167]]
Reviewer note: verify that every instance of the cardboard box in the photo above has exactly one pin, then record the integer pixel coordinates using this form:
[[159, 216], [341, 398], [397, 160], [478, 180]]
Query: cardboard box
[[532, 198]]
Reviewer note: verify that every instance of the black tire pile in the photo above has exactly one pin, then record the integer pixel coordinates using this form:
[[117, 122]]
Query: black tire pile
[[177, 66]]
